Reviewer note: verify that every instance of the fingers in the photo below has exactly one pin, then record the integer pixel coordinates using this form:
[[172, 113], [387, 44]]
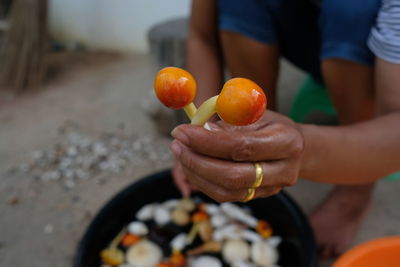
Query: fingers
[[180, 179], [221, 194], [234, 175], [227, 174], [277, 141]]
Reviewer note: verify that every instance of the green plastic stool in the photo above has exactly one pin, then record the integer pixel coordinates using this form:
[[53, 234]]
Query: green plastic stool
[[312, 96]]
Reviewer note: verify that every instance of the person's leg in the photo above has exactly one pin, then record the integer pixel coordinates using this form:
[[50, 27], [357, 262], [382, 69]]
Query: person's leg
[[337, 219], [249, 42], [254, 60], [254, 35], [348, 74]]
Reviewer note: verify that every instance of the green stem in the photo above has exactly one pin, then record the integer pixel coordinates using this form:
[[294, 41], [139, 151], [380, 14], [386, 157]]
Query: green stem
[[190, 110], [205, 111]]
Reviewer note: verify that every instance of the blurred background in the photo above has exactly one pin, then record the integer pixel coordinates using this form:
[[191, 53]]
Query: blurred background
[[78, 121]]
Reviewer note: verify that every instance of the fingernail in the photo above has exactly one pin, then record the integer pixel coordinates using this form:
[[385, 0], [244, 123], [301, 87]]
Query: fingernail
[[213, 126], [180, 135], [176, 148]]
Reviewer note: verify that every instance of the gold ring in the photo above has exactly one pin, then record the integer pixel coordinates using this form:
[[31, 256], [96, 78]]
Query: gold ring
[[259, 175], [250, 195], [251, 192]]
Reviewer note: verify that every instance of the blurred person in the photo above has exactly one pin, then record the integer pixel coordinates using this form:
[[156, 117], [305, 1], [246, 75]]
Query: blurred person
[[327, 39]]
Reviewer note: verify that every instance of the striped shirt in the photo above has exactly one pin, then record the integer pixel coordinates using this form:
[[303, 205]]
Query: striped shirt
[[384, 40]]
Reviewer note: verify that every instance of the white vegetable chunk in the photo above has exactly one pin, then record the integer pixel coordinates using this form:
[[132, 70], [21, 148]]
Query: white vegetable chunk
[[161, 215], [263, 254], [144, 254], [205, 261], [235, 251], [179, 242], [237, 213], [138, 228], [146, 212]]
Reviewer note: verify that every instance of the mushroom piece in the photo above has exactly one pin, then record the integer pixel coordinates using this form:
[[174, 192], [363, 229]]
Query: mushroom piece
[[171, 203], [241, 102], [197, 218], [179, 242], [138, 228], [146, 212], [187, 204], [264, 229], [274, 241], [230, 231], [218, 220], [177, 259], [176, 89], [180, 217], [235, 251], [209, 247], [112, 256], [212, 209], [204, 261], [205, 231], [161, 215], [263, 254], [251, 236], [237, 213], [144, 254], [243, 264]]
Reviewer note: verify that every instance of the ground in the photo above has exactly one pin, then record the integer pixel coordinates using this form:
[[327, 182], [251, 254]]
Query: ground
[[41, 222]]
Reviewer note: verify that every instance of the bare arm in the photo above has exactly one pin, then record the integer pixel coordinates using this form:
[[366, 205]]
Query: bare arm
[[218, 162], [362, 152], [203, 53]]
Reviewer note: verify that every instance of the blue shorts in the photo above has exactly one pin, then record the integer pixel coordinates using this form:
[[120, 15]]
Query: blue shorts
[[305, 32]]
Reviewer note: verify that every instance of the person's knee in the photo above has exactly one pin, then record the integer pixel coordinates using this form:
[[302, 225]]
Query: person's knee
[[350, 87], [332, 77], [343, 75]]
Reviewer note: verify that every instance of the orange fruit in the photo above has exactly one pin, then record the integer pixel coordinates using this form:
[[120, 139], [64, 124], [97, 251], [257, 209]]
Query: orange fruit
[[241, 102], [264, 229], [200, 216], [177, 259], [175, 87], [129, 239]]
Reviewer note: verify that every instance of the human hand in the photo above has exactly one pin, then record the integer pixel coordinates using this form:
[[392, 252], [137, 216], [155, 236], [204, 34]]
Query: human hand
[[220, 162]]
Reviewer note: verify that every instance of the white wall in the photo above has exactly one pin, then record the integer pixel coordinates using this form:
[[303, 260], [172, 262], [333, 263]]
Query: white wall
[[119, 25]]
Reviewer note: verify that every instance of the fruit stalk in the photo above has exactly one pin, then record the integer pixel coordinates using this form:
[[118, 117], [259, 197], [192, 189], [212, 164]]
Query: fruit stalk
[[205, 111], [190, 110]]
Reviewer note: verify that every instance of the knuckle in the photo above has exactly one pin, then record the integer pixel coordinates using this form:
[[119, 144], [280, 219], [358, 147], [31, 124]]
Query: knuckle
[[297, 145], [280, 127], [243, 151], [189, 162], [232, 180], [222, 196]]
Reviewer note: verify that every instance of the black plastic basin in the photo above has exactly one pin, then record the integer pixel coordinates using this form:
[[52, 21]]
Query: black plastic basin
[[298, 248]]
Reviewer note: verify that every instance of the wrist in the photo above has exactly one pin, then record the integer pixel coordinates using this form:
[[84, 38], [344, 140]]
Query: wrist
[[309, 156]]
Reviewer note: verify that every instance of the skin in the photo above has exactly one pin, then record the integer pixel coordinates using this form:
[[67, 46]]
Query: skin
[[221, 168], [203, 52], [220, 158], [366, 147]]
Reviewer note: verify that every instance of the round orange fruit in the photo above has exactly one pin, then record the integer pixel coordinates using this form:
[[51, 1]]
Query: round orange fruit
[[241, 102], [175, 87]]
